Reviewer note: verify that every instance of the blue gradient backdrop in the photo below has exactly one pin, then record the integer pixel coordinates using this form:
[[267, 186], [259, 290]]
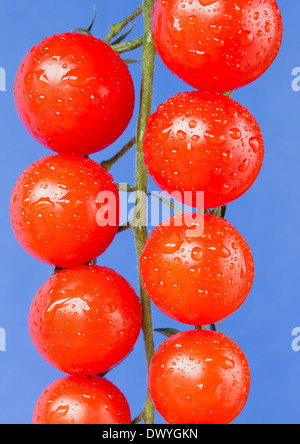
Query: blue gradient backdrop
[[268, 217]]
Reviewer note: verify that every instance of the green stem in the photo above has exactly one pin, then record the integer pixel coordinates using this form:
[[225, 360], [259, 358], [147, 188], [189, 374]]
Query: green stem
[[128, 46], [140, 231], [108, 164], [118, 27]]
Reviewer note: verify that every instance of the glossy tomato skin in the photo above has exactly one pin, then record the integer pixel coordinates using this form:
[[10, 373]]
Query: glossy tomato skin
[[203, 142], [74, 94], [199, 377], [81, 400], [217, 45], [197, 279], [85, 320], [57, 210]]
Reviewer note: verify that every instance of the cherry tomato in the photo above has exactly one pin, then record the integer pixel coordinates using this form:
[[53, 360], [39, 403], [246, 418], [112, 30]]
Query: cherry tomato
[[85, 320], [74, 94], [217, 45], [81, 400], [199, 377], [203, 142], [195, 278], [65, 210]]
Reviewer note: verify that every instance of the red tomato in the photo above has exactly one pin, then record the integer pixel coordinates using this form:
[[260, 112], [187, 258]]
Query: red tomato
[[193, 278], [85, 320], [81, 400], [65, 210], [199, 377], [74, 94], [217, 45], [203, 142]]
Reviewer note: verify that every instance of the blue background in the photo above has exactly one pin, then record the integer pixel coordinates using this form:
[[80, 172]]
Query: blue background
[[268, 217]]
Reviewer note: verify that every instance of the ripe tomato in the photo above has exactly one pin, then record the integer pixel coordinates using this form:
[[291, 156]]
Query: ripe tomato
[[199, 377], [203, 142], [65, 210], [85, 320], [193, 278], [217, 45], [81, 400], [74, 94]]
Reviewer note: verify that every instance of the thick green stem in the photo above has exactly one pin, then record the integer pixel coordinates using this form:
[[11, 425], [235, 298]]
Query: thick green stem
[[140, 231]]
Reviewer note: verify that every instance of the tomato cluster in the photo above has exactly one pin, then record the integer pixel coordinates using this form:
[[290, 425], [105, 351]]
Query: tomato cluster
[[199, 271], [75, 95]]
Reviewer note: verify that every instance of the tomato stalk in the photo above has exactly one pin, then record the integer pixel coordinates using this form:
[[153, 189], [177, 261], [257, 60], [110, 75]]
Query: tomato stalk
[[108, 164], [140, 231], [118, 27]]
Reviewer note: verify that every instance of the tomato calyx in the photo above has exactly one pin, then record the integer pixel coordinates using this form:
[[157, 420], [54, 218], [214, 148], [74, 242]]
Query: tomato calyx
[[168, 332], [89, 29]]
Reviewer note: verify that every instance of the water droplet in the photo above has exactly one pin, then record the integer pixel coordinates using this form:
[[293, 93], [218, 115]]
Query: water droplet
[[227, 157], [192, 20], [268, 27], [164, 135], [235, 133], [194, 272], [254, 143], [170, 247], [244, 166], [216, 139], [59, 413], [246, 37], [192, 124], [207, 2], [197, 254], [181, 135]]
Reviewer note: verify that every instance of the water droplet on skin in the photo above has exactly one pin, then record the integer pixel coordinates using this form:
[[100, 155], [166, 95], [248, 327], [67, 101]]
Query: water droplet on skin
[[244, 166], [170, 247], [177, 30], [197, 254], [246, 37], [181, 135], [227, 157], [195, 272], [235, 133], [221, 251], [41, 99], [210, 394], [216, 139], [231, 282], [254, 143], [192, 20], [199, 57], [164, 135], [207, 2], [215, 28], [50, 312], [268, 27], [59, 413], [42, 78]]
